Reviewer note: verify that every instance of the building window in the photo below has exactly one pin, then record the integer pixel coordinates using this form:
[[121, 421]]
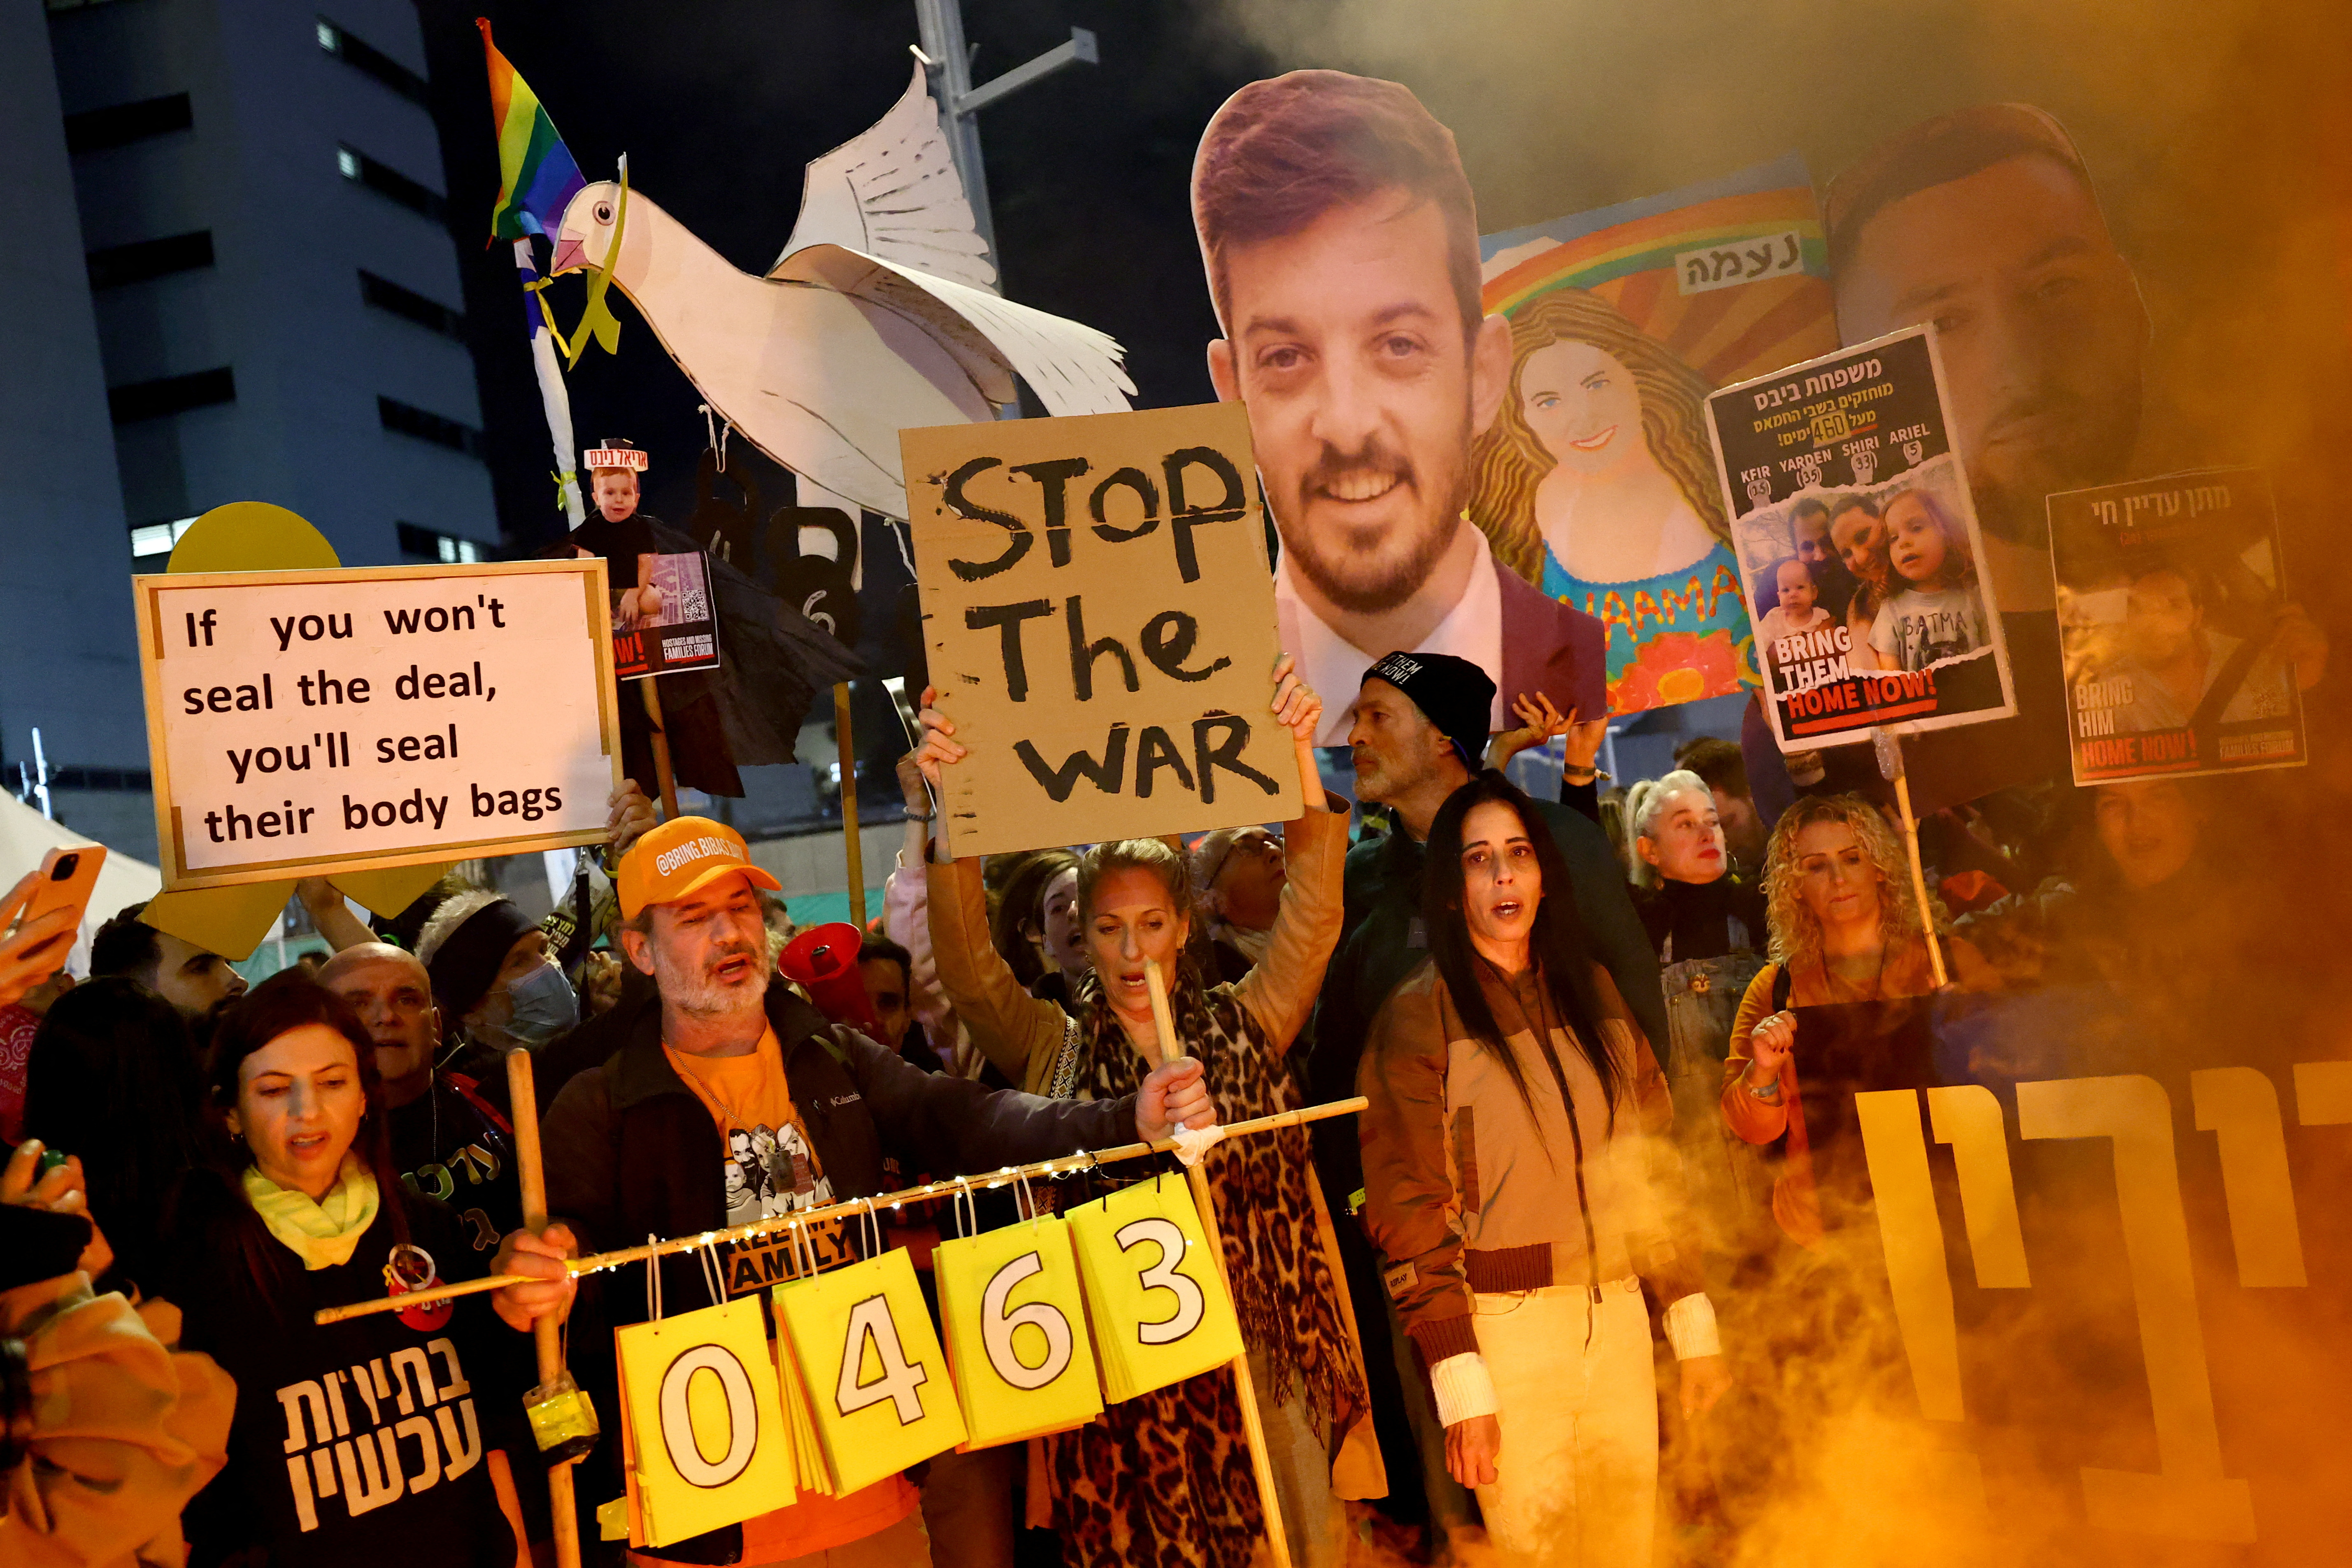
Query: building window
[[425, 544], [95, 129], [135, 263], [427, 425], [171, 394], [388, 181], [157, 538], [410, 306], [370, 61]]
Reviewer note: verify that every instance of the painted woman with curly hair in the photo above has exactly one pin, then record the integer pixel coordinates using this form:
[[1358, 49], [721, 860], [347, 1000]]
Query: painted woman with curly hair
[[1845, 929], [1596, 482]]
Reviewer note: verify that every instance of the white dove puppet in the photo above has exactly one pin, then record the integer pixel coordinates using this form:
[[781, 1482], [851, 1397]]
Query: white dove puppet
[[846, 342]]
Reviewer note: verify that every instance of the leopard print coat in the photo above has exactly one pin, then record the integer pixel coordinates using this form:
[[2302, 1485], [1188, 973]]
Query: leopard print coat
[[1165, 1480]]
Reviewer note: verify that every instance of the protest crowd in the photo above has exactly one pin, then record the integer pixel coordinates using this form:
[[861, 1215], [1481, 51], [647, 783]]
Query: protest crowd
[[1555, 1294]]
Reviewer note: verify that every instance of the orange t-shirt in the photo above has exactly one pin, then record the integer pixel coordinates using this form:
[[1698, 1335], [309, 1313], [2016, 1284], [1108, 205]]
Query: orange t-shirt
[[771, 1169]]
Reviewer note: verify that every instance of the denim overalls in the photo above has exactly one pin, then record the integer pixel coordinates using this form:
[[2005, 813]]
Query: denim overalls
[[1730, 1186]]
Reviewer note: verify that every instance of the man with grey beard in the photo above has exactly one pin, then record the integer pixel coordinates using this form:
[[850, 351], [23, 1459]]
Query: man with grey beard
[[640, 1144], [1342, 245]]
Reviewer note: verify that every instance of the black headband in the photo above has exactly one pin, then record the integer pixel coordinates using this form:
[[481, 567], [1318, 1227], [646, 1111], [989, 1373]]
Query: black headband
[[464, 966]]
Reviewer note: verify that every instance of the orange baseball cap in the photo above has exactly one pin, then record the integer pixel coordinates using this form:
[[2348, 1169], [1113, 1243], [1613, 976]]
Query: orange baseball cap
[[680, 856]]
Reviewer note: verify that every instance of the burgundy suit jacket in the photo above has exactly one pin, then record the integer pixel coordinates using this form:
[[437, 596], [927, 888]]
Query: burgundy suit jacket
[[1552, 648]]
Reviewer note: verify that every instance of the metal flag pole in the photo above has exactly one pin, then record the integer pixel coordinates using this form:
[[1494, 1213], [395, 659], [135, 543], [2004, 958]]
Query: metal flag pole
[[948, 57]]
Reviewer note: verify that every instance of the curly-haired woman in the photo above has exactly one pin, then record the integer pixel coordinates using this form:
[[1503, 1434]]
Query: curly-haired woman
[[1844, 930], [1597, 483]]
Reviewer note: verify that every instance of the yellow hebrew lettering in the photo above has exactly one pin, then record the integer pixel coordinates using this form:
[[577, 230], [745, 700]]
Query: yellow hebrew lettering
[[2241, 1107], [2189, 1499]]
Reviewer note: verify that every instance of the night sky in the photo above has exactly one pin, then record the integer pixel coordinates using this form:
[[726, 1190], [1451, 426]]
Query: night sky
[[719, 106]]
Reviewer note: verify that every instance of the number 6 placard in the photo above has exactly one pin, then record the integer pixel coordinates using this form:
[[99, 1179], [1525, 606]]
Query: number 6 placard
[[1016, 1332], [705, 1431], [1159, 1309], [876, 1382]]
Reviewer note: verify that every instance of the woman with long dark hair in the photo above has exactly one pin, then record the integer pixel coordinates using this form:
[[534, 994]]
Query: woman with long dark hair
[[1521, 1186], [370, 1441], [113, 1079]]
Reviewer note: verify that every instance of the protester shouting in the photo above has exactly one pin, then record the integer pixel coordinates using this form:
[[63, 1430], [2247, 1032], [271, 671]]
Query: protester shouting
[[732, 1095], [1165, 1479], [1518, 1272], [1420, 726], [1844, 930], [383, 1439], [113, 1081]]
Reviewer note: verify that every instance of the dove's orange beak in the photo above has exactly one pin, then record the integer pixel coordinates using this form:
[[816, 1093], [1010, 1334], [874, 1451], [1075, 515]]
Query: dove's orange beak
[[570, 254]]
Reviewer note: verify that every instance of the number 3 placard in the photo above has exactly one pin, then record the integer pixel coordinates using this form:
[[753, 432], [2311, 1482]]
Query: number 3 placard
[[705, 1431], [1016, 1332], [1158, 1303], [877, 1380]]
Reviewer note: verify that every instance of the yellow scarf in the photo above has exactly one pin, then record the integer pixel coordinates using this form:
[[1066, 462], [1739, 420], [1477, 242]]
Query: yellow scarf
[[322, 1234]]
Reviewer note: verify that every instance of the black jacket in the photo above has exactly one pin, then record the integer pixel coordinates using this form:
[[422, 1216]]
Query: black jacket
[[630, 1152]]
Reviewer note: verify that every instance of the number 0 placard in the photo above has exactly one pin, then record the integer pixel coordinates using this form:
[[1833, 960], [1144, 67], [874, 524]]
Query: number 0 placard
[[706, 1433], [1016, 1332], [1159, 1302], [877, 1383]]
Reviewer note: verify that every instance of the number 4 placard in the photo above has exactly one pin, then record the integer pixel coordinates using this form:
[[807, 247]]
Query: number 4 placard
[[705, 1433], [877, 1383], [1016, 1332], [1160, 1310]]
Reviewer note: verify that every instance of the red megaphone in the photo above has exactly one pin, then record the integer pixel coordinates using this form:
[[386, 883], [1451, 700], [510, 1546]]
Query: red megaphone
[[822, 961]]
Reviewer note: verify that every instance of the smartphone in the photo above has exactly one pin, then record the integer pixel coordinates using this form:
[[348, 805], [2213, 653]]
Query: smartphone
[[68, 877]]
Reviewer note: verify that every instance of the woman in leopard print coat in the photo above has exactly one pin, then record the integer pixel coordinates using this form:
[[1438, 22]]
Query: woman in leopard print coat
[[1165, 1480]]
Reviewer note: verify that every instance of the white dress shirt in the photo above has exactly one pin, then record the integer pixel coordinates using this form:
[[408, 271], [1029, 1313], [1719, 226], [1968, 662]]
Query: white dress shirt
[[1335, 667]]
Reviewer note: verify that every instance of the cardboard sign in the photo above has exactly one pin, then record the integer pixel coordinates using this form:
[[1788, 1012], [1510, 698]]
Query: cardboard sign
[[2168, 596], [664, 625], [878, 1388], [1099, 613], [1893, 624], [1158, 1303], [706, 1439], [1016, 1332], [306, 722]]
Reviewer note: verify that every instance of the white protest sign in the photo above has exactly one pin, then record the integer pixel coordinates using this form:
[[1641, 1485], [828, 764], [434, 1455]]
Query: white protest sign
[[305, 723]]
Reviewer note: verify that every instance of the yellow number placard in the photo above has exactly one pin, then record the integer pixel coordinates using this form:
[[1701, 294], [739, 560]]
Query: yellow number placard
[[705, 1438], [1016, 1332], [877, 1383], [1157, 1300]]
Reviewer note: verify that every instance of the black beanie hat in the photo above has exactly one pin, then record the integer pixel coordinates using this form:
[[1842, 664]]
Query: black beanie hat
[[1452, 693]]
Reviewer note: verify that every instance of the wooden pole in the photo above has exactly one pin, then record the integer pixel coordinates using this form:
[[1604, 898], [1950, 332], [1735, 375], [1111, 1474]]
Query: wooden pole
[[1205, 1200], [849, 838], [1889, 746], [547, 1335], [754, 1230], [663, 778]]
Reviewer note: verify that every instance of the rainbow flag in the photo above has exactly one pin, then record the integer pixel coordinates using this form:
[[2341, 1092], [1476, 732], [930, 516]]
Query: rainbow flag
[[537, 173]]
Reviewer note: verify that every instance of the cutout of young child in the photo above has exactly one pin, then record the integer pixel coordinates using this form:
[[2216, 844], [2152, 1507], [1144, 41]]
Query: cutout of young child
[[1797, 612], [1933, 611]]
